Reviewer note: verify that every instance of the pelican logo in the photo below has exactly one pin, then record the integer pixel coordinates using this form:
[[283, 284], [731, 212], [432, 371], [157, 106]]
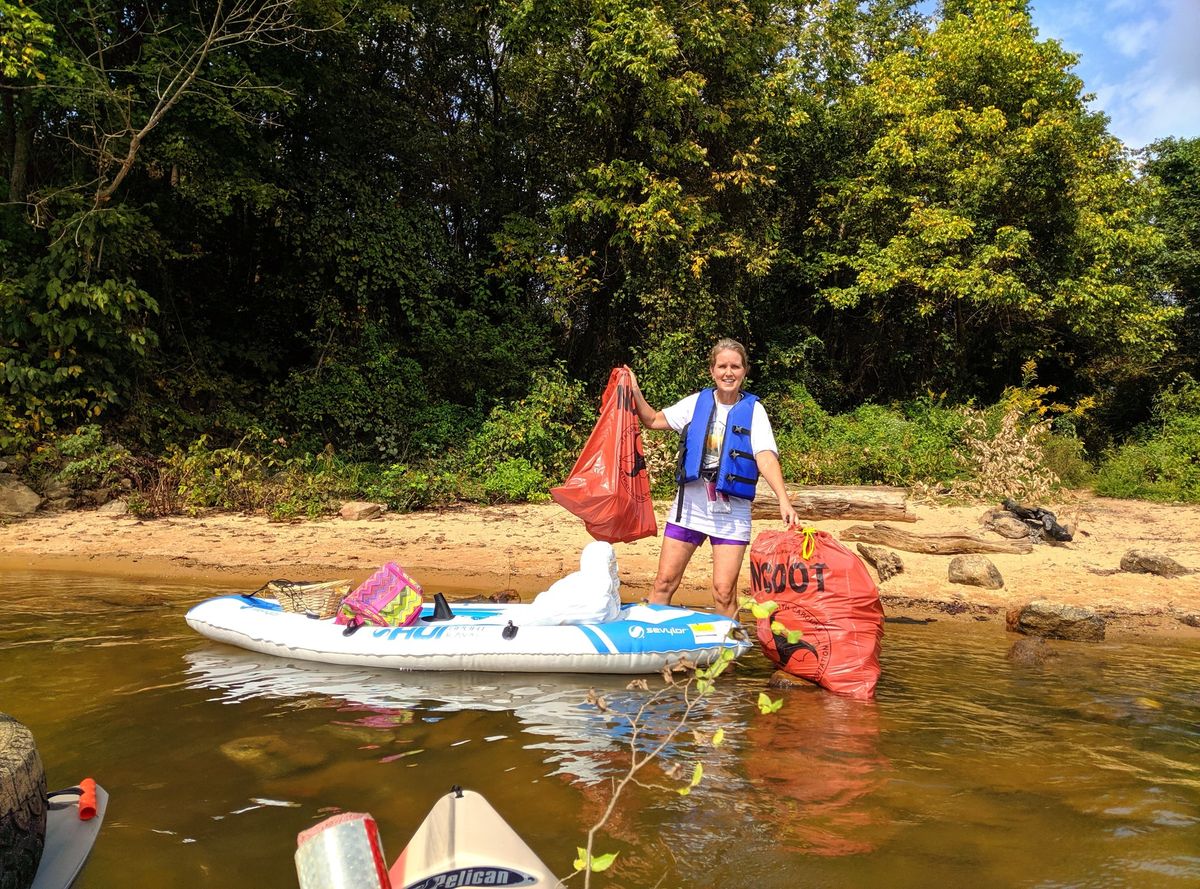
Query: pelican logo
[[636, 632], [475, 876]]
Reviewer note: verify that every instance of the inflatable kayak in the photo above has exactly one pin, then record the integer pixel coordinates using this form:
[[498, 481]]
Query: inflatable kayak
[[482, 637]]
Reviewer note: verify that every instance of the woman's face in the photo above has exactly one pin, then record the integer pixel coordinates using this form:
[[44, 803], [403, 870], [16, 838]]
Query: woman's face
[[728, 371]]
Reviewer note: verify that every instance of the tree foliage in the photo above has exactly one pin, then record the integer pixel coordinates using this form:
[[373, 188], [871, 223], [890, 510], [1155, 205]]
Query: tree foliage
[[370, 224]]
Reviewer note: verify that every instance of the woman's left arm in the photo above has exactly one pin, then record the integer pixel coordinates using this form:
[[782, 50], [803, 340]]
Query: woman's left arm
[[769, 468]]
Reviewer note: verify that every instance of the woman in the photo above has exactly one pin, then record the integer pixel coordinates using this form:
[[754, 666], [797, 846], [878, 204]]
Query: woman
[[726, 443]]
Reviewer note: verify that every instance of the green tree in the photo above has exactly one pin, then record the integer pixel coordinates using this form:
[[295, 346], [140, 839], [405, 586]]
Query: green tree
[[651, 231], [1173, 165], [989, 219]]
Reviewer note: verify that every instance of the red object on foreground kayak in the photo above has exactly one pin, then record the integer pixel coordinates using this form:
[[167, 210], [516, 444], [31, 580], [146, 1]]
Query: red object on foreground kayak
[[87, 799], [343, 850]]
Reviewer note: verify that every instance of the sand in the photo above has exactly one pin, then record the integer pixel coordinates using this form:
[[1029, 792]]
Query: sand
[[524, 548]]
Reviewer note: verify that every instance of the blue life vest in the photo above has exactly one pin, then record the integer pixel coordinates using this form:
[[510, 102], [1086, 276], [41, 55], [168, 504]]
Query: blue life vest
[[737, 471]]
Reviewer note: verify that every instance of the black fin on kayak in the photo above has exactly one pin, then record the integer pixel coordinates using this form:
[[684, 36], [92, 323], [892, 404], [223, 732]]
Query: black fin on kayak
[[441, 609]]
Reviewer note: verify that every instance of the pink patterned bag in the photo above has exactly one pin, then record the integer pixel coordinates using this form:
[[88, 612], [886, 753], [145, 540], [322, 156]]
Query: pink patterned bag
[[388, 598]]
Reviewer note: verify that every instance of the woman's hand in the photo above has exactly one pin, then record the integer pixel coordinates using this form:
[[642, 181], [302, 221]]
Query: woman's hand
[[787, 512], [637, 390], [649, 416], [768, 466]]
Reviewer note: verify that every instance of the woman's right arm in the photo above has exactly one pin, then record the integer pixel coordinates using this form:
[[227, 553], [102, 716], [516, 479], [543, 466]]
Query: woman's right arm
[[650, 418]]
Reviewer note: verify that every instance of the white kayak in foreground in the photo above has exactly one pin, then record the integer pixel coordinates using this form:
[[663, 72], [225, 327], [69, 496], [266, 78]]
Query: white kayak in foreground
[[484, 637], [463, 841]]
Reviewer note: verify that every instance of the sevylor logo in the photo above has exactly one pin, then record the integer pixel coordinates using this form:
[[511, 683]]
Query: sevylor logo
[[637, 632], [475, 876]]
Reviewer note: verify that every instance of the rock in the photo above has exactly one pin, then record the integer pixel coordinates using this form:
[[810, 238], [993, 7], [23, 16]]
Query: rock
[[1192, 620], [1031, 651], [62, 504], [272, 756], [114, 508], [359, 511], [1054, 621], [1008, 525], [885, 562], [1143, 561], [97, 496], [55, 490], [975, 570], [785, 681], [16, 497]]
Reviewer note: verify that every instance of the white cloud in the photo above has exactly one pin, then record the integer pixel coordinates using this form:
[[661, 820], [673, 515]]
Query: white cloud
[[1141, 58], [1132, 39], [1181, 40]]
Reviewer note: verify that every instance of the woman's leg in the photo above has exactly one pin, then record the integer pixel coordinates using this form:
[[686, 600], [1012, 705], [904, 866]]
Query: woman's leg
[[727, 565], [673, 558]]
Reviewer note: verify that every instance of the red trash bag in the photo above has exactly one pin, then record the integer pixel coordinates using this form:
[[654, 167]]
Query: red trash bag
[[608, 487], [823, 590]]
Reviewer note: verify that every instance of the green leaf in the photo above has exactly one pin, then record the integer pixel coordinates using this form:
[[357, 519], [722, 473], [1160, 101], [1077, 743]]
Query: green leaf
[[792, 636], [766, 705], [718, 737], [598, 862], [763, 610]]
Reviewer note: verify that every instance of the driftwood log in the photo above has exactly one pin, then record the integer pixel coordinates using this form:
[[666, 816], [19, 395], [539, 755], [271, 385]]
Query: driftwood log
[[836, 502], [885, 562], [947, 544]]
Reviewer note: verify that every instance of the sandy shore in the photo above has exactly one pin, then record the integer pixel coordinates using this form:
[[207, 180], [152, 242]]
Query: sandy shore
[[525, 548]]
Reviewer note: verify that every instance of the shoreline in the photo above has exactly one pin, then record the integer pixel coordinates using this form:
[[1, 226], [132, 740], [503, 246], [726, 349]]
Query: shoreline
[[524, 548]]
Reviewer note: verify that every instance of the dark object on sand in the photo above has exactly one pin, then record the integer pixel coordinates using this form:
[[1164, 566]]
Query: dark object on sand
[[1039, 519]]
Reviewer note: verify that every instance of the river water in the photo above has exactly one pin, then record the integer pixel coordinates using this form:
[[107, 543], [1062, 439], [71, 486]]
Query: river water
[[967, 770]]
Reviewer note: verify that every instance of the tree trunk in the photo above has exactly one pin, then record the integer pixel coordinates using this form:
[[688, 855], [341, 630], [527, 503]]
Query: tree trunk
[[18, 113], [933, 544], [836, 502]]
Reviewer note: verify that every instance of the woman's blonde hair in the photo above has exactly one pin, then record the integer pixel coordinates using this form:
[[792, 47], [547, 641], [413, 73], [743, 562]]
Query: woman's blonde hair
[[733, 345]]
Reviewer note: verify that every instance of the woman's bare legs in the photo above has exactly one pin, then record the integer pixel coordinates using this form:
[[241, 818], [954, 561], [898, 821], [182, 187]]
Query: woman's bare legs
[[727, 565], [673, 558]]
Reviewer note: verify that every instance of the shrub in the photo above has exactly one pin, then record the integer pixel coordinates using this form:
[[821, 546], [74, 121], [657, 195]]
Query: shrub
[[1163, 461], [515, 481], [546, 430], [405, 488], [872, 444], [82, 460]]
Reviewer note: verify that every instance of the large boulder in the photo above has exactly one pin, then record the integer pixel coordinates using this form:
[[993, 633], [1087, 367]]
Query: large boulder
[[358, 511], [1142, 561], [975, 570], [16, 497], [1052, 620]]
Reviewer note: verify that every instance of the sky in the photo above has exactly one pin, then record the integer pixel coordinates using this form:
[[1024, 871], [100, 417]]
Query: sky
[[1141, 59]]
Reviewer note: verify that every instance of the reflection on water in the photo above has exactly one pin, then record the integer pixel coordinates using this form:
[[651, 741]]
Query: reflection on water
[[967, 769]]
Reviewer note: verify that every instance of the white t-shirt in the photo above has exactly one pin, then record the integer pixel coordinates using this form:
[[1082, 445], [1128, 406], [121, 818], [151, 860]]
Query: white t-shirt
[[698, 514]]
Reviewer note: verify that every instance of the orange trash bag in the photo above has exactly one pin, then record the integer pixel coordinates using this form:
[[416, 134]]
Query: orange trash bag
[[609, 487], [823, 590]]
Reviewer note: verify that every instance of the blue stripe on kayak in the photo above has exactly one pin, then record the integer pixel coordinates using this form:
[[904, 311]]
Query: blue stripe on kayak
[[255, 602], [594, 638]]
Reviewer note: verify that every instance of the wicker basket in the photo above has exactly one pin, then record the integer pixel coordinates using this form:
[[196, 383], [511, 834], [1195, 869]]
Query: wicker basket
[[318, 599]]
